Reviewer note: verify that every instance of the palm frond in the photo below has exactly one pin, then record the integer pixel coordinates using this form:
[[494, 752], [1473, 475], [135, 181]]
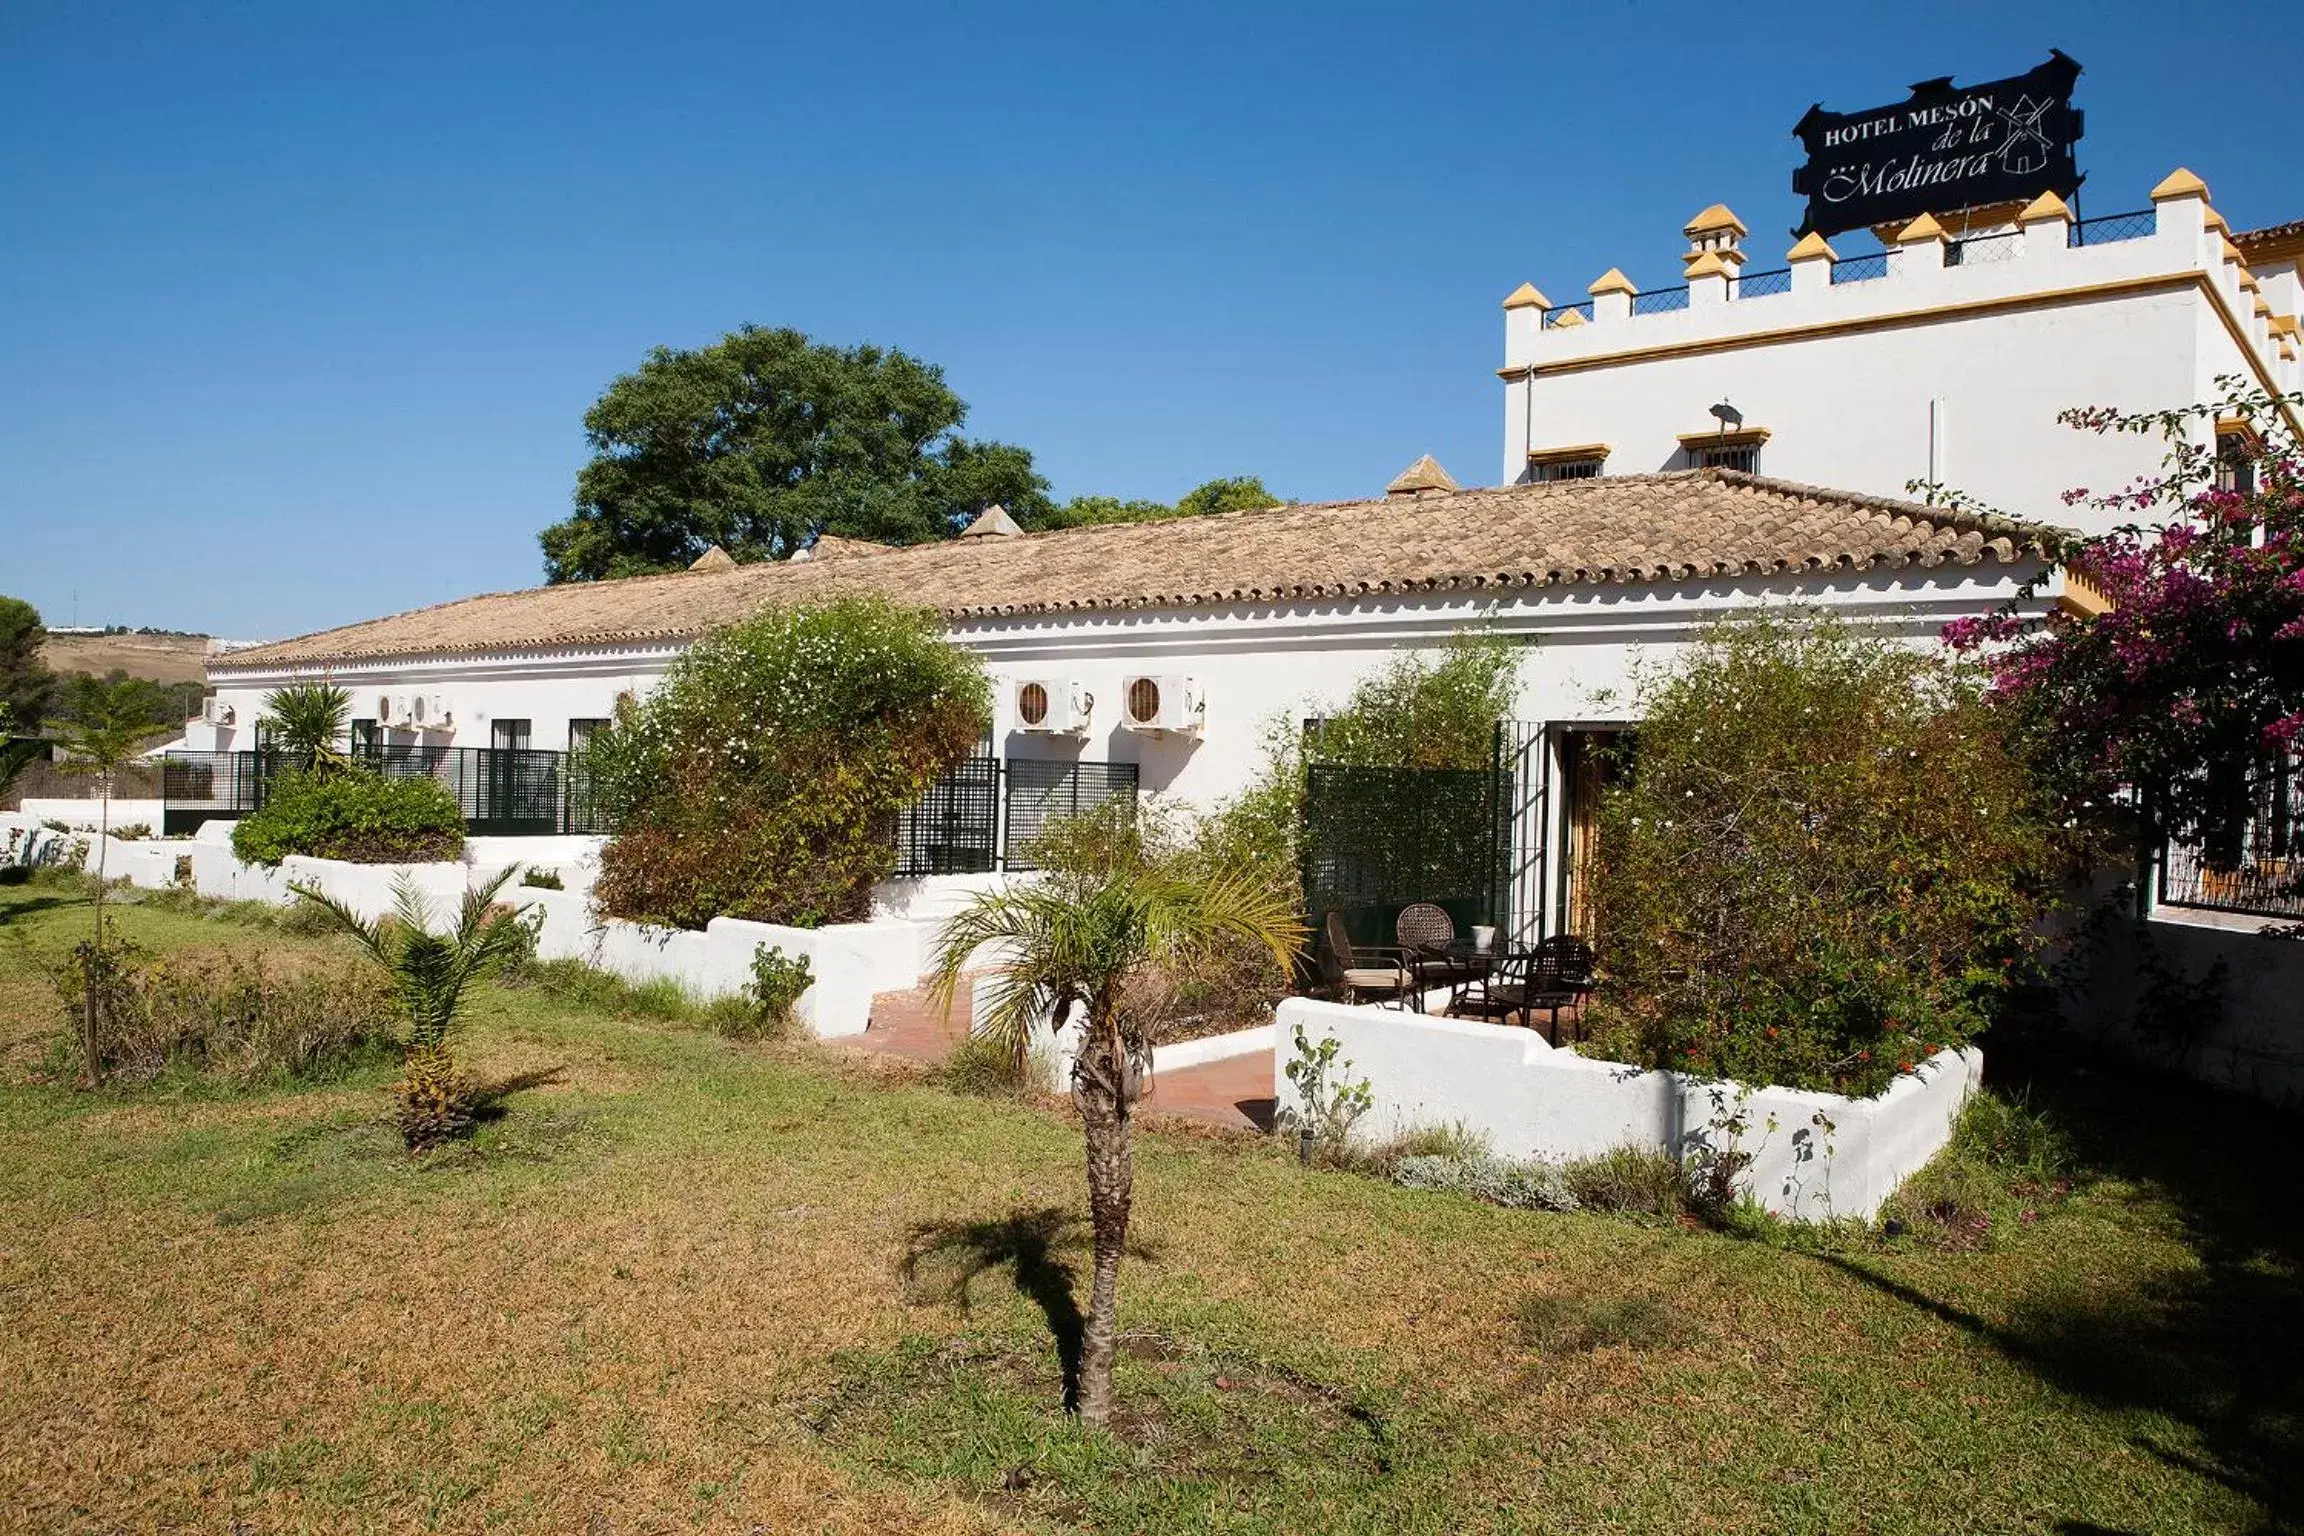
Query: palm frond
[[372, 935]]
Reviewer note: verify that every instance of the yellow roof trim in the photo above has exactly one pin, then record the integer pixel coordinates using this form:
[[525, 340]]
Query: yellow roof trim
[[1739, 437], [1812, 247], [1611, 281], [2283, 325], [2180, 183], [2046, 206], [1922, 228], [1718, 216], [2233, 253], [2081, 597], [1576, 453], [1526, 296], [2215, 221], [1708, 265]]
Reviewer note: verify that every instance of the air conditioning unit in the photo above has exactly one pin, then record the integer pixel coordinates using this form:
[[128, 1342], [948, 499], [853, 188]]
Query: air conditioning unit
[[1053, 705], [429, 712], [215, 711], [1166, 705]]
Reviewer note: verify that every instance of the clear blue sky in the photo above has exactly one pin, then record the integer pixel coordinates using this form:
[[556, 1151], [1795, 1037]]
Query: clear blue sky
[[300, 304]]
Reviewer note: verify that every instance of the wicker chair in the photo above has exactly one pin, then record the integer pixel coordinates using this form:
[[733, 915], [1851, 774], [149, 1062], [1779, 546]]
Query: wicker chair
[[1371, 970], [1425, 931]]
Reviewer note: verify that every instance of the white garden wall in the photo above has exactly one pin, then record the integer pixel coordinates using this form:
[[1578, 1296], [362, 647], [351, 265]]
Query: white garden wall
[[1826, 1156], [850, 962], [86, 813], [2215, 995]]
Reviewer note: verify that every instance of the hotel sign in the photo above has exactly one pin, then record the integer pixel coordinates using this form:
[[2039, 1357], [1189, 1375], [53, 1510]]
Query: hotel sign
[[1941, 149]]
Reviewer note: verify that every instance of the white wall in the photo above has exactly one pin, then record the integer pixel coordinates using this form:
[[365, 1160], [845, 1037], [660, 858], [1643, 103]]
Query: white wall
[[1842, 376], [1824, 1156], [2245, 1033], [850, 962]]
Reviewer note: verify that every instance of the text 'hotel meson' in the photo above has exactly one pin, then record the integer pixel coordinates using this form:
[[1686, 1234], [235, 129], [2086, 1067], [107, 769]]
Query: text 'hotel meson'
[[1747, 436]]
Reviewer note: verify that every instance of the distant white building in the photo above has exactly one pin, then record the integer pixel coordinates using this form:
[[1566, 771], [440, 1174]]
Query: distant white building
[[1944, 359]]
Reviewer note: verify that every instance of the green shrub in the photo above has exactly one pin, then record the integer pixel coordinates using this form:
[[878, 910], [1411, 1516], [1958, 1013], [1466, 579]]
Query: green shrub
[[574, 984], [1628, 1181], [1821, 862], [984, 1068], [761, 779], [352, 814], [543, 880], [2005, 1162], [245, 1019], [1522, 1186]]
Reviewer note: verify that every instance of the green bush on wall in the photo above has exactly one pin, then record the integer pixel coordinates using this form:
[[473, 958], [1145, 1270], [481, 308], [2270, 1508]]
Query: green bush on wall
[[355, 815]]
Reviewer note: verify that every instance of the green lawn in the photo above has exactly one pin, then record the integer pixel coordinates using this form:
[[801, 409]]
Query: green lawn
[[686, 1284]]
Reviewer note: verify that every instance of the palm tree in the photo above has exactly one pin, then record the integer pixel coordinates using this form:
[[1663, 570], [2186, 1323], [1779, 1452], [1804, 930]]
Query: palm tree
[[305, 720], [431, 975], [1103, 942], [108, 722]]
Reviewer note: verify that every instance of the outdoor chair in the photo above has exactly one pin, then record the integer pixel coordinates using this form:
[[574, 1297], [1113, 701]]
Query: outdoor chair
[[1500, 994], [1560, 975], [1425, 931], [1355, 971]]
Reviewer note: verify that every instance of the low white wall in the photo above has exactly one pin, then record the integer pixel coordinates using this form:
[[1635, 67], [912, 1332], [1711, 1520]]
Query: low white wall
[[2217, 996], [849, 962], [86, 813], [1825, 1156]]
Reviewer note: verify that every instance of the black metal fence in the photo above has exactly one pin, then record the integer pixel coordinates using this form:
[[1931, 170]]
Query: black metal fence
[[987, 814], [1377, 839], [1659, 301], [2266, 878], [1982, 250], [1761, 285], [1581, 309], [2114, 227], [1041, 791], [502, 791], [1860, 269]]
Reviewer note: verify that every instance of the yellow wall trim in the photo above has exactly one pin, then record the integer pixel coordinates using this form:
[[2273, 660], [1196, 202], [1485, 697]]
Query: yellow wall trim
[[1575, 454], [1735, 437]]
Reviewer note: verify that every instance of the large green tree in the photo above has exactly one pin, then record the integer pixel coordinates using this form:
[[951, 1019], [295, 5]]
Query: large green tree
[[1236, 493], [765, 439], [26, 684]]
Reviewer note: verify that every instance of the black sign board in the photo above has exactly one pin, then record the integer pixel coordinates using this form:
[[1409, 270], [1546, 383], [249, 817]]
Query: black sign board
[[1941, 149]]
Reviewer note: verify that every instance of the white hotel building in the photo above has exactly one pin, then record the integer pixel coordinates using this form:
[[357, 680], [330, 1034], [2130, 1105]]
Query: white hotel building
[[1742, 441]]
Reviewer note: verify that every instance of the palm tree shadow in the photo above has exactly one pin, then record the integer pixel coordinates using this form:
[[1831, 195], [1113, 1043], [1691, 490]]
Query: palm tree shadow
[[943, 1259], [488, 1102]]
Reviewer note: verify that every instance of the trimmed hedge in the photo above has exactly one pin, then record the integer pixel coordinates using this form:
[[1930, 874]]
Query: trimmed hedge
[[355, 815]]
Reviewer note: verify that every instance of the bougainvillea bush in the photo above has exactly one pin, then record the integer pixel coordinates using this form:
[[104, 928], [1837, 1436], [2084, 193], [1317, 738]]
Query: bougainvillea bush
[[2158, 714], [762, 779], [1824, 863]]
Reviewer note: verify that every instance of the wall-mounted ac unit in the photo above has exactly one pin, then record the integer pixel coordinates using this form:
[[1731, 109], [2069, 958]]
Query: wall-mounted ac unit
[[1165, 704], [215, 711], [429, 712], [1053, 705]]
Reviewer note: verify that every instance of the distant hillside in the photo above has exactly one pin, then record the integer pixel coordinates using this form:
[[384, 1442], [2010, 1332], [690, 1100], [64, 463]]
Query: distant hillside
[[162, 658]]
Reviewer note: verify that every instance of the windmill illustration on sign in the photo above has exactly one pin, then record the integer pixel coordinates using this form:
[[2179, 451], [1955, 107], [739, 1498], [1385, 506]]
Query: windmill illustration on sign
[[2027, 149]]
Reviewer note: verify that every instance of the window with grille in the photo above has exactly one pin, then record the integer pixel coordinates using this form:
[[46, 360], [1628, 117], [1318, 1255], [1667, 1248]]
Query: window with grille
[[365, 735], [509, 736], [1570, 469], [1745, 458], [581, 732], [2235, 463]]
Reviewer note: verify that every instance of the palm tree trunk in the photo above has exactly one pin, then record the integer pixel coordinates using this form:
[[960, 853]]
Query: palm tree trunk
[[90, 1034], [1101, 1091]]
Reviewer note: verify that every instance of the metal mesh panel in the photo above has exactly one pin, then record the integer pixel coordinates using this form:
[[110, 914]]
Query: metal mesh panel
[[1376, 839], [2114, 227], [955, 828], [1582, 309], [502, 791], [1040, 792], [1761, 285], [1860, 269], [199, 787], [1657, 301]]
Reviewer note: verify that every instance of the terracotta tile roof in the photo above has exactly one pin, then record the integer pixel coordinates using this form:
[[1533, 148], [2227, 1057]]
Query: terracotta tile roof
[[1622, 530]]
